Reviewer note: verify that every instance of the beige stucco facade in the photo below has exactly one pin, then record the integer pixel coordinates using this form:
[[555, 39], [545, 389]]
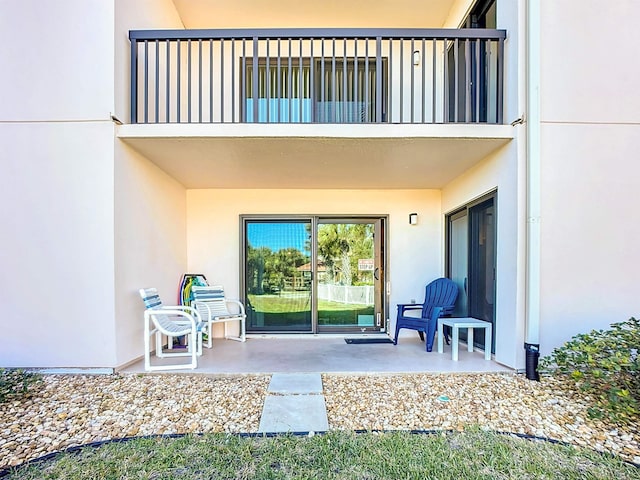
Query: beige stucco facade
[[93, 210]]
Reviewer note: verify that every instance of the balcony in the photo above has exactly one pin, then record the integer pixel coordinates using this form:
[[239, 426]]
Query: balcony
[[317, 76]]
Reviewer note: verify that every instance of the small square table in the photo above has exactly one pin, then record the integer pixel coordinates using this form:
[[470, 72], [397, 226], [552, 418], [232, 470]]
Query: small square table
[[468, 323]]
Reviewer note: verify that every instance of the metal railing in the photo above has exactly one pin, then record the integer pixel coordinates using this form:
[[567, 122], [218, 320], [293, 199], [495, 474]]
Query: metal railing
[[317, 76]]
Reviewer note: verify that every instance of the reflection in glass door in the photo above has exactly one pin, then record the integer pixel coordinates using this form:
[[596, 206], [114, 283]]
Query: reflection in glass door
[[348, 275], [278, 275], [471, 260], [313, 274]]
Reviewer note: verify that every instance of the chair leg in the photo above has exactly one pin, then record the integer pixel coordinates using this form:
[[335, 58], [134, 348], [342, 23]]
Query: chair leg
[[421, 335]]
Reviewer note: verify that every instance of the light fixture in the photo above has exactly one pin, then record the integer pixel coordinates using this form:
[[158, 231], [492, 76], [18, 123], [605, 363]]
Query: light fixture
[[413, 219], [416, 57]]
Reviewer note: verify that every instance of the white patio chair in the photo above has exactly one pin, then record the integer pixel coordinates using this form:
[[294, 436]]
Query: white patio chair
[[211, 304], [171, 321]]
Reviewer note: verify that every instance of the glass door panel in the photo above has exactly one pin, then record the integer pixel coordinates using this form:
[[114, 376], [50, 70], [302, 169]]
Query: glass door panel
[[348, 276], [278, 275]]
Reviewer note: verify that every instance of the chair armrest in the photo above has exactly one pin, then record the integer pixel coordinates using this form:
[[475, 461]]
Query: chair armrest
[[184, 308], [189, 320], [237, 302], [402, 307]]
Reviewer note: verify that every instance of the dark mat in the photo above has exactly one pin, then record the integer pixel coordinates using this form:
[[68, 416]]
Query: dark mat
[[368, 340]]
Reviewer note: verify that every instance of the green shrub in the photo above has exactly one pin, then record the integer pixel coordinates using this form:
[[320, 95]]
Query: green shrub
[[605, 364], [15, 383]]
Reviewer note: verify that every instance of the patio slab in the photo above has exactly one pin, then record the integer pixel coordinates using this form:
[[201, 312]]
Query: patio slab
[[295, 383], [294, 413]]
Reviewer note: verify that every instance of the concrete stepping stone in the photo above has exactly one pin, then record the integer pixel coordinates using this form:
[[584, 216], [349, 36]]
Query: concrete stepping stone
[[294, 403]]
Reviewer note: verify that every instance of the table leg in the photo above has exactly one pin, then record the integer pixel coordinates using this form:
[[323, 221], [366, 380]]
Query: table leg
[[440, 337], [454, 343], [488, 334], [470, 339]]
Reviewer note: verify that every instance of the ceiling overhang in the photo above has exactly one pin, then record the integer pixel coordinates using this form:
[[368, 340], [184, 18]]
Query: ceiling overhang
[[312, 156]]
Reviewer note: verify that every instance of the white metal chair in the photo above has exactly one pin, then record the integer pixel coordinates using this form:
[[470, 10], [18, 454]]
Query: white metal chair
[[171, 321], [211, 304]]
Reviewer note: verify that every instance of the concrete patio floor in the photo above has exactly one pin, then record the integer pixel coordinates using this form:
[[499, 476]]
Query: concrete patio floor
[[328, 354]]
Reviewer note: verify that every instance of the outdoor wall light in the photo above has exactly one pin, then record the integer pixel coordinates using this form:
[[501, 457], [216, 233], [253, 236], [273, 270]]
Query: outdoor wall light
[[413, 219], [416, 57]]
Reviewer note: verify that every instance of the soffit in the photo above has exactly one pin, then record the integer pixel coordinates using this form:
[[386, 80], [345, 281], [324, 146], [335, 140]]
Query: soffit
[[313, 13], [316, 161]]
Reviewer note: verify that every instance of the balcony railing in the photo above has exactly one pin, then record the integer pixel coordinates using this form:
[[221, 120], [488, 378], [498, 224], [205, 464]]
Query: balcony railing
[[317, 76]]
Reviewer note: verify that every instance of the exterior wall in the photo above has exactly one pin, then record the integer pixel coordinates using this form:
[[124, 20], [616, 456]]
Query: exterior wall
[[56, 250], [415, 252], [136, 15], [56, 179], [590, 139], [499, 171], [150, 229], [59, 70], [150, 243]]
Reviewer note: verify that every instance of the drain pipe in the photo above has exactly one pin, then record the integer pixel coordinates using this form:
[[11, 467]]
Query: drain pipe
[[532, 342]]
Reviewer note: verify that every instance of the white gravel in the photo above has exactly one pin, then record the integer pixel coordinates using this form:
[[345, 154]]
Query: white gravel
[[69, 410]]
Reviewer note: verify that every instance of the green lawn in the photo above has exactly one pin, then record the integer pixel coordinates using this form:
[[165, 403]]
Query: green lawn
[[291, 308], [474, 454]]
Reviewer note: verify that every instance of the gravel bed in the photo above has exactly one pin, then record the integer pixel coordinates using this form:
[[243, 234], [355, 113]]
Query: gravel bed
[[501, 402], [70, 410], [73, 410]]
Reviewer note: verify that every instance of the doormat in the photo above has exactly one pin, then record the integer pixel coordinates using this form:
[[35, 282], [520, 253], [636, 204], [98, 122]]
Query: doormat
[[368, 340]]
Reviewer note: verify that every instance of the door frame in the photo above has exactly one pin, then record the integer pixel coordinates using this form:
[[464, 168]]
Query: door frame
[[467, 209], [381, 246]]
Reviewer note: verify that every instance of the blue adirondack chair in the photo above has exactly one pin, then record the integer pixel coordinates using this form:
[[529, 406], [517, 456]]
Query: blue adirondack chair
[[439, 293]]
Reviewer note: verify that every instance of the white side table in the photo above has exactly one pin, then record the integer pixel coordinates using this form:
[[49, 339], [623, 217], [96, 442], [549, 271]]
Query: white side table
[[468, 323]]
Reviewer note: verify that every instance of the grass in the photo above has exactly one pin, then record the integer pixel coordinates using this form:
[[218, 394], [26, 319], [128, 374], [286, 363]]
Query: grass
[[293, 309], [473, 454]]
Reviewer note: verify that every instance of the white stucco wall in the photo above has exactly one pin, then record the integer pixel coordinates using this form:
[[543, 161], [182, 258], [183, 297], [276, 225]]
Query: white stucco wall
[[590, 139], [57, 60], [56, 246], [56, 176], [498, 172], [150, 243], [415, 252]]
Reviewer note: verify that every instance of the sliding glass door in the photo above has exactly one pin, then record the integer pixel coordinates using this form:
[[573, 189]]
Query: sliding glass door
[[314, 275]]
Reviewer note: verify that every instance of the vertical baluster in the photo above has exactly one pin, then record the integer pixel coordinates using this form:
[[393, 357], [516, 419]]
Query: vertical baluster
[[434, 79], [333, 83], [367, 98], [146, 81], [312, 84], [476, 88], [413, 86], [222, 80], [168, 87], [268, 82], [256, 80], [500, 73], [423, 103], [379, 73], [157, 98], [467, 82], [189, 68], [246, 115], [233, 80], [133, 105], [178, 73], [289, 78], [200, 80], [322, 87], [402, 80], [455, 81], [445, 103], [279, 80], [211, 80], [300, 81], [355, 80], [391, 90], [344, 80]]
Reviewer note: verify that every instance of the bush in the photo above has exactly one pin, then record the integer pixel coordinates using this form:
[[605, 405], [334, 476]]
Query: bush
[[605, 364], [14, 383]]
